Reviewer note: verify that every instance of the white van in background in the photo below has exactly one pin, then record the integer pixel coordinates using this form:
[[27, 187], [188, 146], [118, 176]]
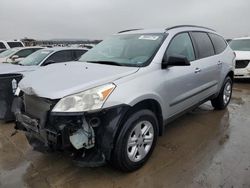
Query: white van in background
[[10, 44]]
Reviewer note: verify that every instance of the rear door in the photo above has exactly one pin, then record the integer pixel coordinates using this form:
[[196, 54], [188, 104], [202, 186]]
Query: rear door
[[220, 46], [208, 66]]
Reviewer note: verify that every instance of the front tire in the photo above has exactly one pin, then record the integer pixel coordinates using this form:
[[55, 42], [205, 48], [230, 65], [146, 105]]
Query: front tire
[[136, 141], [224, 97]]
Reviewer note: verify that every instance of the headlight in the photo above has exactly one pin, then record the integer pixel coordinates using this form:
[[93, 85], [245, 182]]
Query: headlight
[[88, 100]]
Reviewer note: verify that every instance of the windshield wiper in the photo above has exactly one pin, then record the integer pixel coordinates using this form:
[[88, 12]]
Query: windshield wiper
[[106, 62]]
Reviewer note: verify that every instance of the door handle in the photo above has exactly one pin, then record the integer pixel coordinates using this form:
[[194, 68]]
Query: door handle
[[197, 70]]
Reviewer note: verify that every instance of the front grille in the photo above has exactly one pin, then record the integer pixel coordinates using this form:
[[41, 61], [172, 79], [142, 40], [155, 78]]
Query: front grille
[[37, 108], [241, 64]]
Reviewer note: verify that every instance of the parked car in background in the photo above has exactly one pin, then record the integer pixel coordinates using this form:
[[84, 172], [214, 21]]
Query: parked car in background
[[115, 101], [10, 44], [14, 55], [241, 46], [2, 50], [11, 74], [42, 57]]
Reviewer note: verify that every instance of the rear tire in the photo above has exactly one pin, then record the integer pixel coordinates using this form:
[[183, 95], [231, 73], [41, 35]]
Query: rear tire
[[224, 97], [136, 141]]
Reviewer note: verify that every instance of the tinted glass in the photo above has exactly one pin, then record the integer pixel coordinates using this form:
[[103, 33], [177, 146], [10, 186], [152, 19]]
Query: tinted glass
[[125, 49], [61, 56], [36, 58], [219, 43], [8, 52], [78, 53], [240, 45], [2, 46], [181, 45], [24, 53], [203, 44], [15, 44]]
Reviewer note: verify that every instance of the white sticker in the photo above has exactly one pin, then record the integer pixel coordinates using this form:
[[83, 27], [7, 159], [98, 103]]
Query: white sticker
[[148, 37], [45, 52]]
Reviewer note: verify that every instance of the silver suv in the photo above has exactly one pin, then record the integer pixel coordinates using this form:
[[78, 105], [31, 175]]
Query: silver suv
[[112, 104]]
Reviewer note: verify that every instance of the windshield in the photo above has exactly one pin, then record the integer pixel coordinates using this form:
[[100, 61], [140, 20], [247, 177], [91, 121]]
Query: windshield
[[8, 52], [240, 45], [36, 58], [125, 50]]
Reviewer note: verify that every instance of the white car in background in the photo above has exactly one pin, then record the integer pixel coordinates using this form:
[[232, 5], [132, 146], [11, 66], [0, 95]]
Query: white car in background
[[10, 44], [15, 55], [241, 46]]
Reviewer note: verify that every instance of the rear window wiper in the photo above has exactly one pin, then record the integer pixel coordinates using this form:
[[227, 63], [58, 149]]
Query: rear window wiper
[[106, 62]]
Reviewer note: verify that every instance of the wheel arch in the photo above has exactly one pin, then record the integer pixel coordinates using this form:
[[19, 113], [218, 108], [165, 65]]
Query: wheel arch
[[231, 75], [150, 104]]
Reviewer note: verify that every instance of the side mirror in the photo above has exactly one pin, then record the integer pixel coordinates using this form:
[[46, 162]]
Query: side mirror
[[14, 57], [48, 62], [175, 61]]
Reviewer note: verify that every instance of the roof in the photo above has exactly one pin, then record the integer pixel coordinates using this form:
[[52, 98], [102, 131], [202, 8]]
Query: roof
[[10, 41], [64, 48], [241, 38], [164, 30], [27, 47]]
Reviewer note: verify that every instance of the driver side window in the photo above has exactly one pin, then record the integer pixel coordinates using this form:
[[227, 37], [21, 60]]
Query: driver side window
[[181, 45]]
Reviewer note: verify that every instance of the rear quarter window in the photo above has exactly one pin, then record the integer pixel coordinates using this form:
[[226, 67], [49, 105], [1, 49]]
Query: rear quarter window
[[218, 42], [203, 45]]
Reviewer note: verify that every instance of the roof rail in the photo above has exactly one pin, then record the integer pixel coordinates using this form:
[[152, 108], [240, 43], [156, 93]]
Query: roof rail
[[178, 26], [128, 30]]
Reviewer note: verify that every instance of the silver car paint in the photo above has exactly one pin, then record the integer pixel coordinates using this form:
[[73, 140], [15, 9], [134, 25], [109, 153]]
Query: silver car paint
[[60, 83], [169, 87]]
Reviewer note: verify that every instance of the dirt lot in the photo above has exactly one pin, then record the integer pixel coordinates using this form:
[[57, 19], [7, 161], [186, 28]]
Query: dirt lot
[[204, 148]]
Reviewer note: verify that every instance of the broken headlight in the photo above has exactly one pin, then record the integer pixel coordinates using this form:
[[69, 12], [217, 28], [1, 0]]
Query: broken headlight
[[88, 100]]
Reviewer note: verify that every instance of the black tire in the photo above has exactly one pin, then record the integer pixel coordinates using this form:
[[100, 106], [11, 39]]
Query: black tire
[[218, 103], [120, 159]]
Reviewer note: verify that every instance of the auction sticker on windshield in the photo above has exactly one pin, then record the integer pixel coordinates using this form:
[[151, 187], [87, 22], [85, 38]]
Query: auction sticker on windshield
[[148, 37]]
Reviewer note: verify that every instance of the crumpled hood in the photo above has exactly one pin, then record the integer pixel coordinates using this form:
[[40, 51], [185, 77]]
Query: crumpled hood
[[242, 55], [59, 80], [6, 68]]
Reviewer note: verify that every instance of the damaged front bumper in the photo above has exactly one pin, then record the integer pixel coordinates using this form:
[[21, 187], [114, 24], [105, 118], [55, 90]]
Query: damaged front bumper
[[82, 133]]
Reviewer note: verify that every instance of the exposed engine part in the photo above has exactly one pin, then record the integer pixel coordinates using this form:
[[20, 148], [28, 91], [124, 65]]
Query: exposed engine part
[[84, 137]]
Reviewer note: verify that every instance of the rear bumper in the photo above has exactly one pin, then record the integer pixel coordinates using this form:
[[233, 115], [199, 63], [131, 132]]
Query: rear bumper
[[53, 131]]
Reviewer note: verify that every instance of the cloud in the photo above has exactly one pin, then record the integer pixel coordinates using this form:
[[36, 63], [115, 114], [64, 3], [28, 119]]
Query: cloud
[[45, 19]]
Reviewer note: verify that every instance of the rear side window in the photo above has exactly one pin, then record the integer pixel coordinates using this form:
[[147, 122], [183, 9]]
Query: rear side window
[[181, 45], [219, 43], [15, 44], [61, 56], [203, 44], [78, 54], [2, 46]]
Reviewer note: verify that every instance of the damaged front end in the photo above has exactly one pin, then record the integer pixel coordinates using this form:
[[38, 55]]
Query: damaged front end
[[88, 137]]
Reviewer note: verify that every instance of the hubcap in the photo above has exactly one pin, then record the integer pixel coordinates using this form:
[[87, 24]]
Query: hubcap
[[140, 141], [227, 92]]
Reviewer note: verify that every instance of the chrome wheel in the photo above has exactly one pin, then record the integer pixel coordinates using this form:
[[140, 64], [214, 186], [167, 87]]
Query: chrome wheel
[[227, 92], [140, 141]]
